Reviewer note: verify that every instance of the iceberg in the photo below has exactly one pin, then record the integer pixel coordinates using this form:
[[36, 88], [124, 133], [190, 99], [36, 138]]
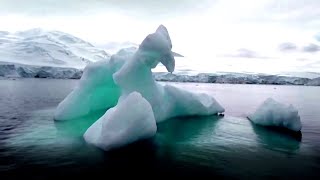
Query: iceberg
[[114, 83], [273, 113], [103, 82], [116, 128]]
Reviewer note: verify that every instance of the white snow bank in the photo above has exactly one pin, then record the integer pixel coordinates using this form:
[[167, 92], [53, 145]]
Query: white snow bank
[[273, 113], [130, 120]]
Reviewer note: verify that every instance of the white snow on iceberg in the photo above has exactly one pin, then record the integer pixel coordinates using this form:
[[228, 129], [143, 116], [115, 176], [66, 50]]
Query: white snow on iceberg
[[130, 120], [273, 113]]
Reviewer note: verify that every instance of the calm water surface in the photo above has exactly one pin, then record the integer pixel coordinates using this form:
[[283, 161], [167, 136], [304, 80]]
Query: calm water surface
[[32, 145]]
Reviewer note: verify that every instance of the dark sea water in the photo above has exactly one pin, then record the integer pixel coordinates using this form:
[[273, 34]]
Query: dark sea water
[[33, 146]]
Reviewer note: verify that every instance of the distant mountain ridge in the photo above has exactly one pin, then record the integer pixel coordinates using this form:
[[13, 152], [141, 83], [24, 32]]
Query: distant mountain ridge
[[48, 48]]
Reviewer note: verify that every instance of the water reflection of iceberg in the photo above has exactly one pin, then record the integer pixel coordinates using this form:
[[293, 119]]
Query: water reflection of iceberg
[[76, 127], [277, 139], [183, 129]]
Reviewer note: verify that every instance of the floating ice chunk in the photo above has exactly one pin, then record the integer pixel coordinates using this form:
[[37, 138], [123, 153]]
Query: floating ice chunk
[[273, 113], [130, 120]]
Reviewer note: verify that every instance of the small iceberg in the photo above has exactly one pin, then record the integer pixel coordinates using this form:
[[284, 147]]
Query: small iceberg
[[273, 113]]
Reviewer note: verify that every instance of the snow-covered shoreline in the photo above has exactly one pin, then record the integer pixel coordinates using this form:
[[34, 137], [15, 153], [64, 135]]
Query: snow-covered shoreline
[[238, 78], [10, 70], [30, 71]]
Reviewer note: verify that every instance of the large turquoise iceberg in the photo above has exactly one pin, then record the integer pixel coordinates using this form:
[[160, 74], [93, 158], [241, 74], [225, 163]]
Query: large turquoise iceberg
[[109, 84]]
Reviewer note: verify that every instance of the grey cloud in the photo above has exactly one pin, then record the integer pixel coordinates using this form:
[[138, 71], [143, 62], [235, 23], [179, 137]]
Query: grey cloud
[[152, 8], [287, 46], [300, 13], [313, 65], [245, 53], [291, 47], [303, 59], [296, 9], [311, 48]]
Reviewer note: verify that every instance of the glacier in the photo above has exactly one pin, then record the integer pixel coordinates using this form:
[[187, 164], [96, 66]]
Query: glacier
[[273, 113], [109, 84]]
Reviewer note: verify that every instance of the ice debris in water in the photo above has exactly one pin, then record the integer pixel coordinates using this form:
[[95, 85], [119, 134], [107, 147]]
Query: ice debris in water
[[273, 113]]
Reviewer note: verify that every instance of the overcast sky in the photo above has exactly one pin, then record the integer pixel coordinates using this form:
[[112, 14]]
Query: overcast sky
[[246, 35]]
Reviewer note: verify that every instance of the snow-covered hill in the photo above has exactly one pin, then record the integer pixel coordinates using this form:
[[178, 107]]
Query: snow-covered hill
[[48, 48]]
